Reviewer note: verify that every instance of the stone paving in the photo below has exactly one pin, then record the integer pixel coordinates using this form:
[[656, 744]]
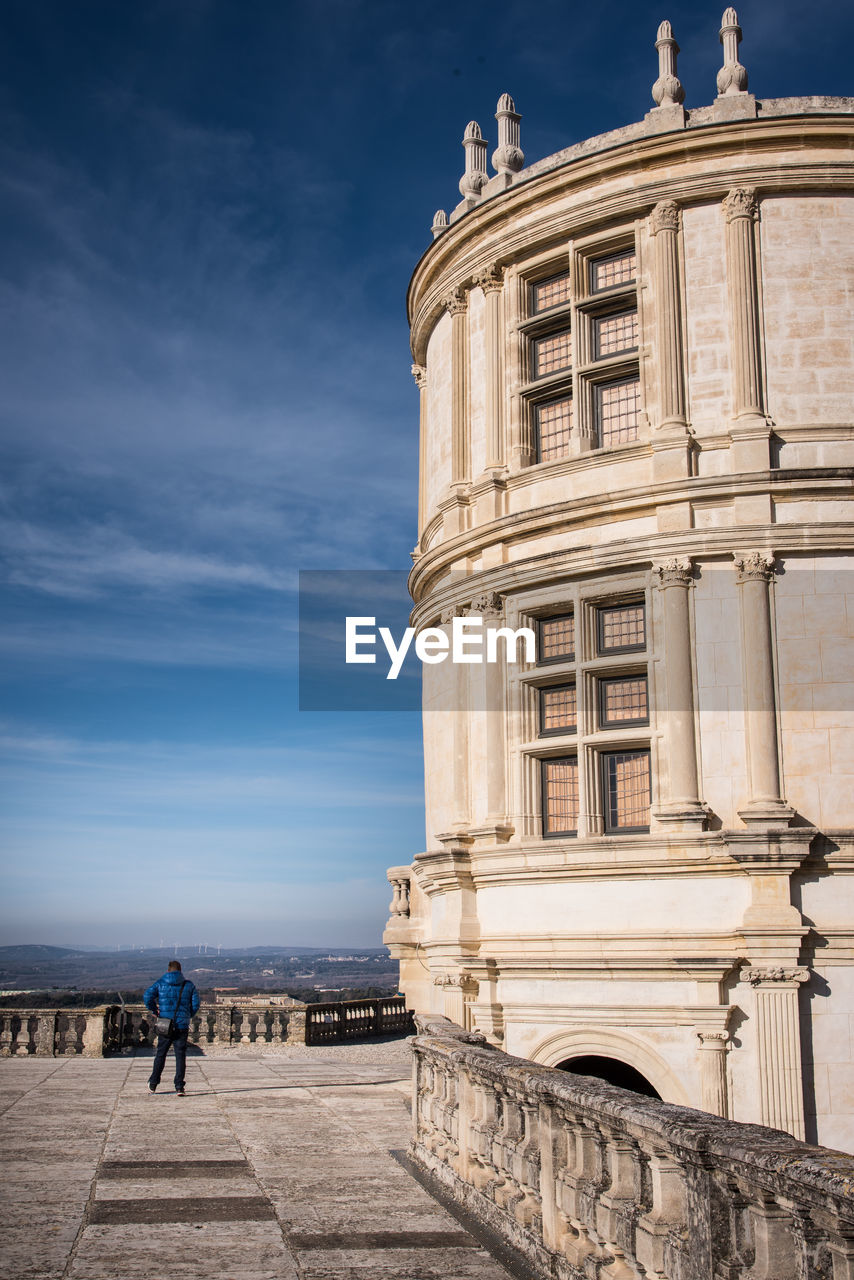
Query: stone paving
[[275, 1166]]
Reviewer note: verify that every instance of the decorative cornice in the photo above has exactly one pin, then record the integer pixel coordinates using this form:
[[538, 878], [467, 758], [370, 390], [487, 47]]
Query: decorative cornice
[[740, 202], [676, 571], [753, 566], [755, 975], [453, 611], [419, 373], [664, 217]]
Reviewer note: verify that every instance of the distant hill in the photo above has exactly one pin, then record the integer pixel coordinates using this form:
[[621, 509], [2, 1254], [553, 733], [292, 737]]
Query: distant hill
[[33, 953]]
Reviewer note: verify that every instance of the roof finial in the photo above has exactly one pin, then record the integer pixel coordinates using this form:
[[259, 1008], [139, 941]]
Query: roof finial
[[475, 177], [508, 156], [667, 90], [440, 223], [732, 77]]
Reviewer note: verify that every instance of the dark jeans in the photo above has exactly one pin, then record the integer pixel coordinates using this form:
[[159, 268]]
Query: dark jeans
[[178, 1039]]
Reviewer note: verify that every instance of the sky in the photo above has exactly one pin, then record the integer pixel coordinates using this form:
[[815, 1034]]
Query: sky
[[209, 213]]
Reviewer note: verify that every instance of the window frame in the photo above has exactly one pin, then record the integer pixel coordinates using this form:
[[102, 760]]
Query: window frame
[[596, 354], [593, 261], [561, 730], [602, 607], [545, 761], [562, 657], [602, 384], [533, 285], [605, 678], [604, 755]]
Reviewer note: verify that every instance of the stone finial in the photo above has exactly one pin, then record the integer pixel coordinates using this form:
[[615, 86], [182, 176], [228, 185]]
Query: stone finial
[[475, 177], [508, 156], [667, 90], [440, 223], [732, 77]]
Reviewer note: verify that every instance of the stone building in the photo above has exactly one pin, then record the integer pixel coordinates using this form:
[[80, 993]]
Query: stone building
[[634, 360]]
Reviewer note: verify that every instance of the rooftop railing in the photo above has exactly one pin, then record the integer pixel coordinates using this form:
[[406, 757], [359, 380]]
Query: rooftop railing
[[588, 1180]]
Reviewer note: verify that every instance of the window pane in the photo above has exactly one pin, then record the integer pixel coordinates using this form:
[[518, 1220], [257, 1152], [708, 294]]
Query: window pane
[[552, 354], [616, 333], [618, 412], [558, 708], [626, 789], [625, 700], [605, 273], [557, 638], [554, 427], [551, 293], [622, 627], [561, 794]]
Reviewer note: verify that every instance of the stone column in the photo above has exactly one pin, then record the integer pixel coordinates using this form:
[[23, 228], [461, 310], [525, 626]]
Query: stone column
[[490, 607], [664, 226], [713, 1081], [681, 804], [459, 713], [419, 373], [765, 806], [781, 1091], [490, 281], [457, 305], [749, 430]]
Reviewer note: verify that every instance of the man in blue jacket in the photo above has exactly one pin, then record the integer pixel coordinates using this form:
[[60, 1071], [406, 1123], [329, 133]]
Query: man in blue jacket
[[172, 996]]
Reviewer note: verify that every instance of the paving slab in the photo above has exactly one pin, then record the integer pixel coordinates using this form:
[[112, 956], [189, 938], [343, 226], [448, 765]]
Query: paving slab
[[274, 1166]]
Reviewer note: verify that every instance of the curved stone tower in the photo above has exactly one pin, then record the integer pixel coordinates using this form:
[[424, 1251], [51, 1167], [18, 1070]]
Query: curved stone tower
[[635, 369]]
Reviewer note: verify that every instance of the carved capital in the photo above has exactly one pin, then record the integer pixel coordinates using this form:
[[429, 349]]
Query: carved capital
[[675, 571], [757, 974], [740, 203], [453, 611], [489, 604], [753, 566], [456, 301], [491, 278], [664, 217], [419, 373], [715, 1040]]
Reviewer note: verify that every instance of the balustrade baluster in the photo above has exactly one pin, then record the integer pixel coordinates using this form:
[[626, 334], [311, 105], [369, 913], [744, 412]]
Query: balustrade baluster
[[6, 1036]]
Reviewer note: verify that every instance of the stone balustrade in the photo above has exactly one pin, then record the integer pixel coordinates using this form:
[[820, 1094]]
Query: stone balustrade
[[356, 1019], [590, 1181], [97, 1032]]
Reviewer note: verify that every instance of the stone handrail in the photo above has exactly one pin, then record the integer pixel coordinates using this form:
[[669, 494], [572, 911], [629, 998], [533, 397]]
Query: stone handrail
[[106, 1029], [591, 1181], [355, 1019]]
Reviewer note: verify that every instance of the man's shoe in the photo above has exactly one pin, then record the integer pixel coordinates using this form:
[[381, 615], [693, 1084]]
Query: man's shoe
[[180, 1093], [152, 1088]]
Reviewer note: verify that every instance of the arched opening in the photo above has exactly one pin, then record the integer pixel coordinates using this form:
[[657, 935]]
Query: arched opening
[[612, 1071]]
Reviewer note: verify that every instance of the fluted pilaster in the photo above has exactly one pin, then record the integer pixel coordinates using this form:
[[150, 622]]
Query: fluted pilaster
[[419, 373], [491, 282], [681, 804], [765, 806], [781, 1091], [713, 1077], [457, 306]]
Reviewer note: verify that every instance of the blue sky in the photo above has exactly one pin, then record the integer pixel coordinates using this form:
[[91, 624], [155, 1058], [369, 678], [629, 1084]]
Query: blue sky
[[209, 211]]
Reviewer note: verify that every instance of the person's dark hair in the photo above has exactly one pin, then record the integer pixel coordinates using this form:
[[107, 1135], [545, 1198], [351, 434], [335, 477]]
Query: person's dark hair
[[174, 966]]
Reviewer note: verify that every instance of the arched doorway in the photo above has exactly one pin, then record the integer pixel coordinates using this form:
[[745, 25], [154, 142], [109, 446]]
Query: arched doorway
[[612, 1071]]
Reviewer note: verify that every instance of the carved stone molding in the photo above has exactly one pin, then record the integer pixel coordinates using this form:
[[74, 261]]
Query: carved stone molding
[[755, 974], [489, 604], [491, 278], [740, 202], [457, 301], [664, 217], [453, 611], [754, 566], [676, 571], [419, 373], [715, 1040]]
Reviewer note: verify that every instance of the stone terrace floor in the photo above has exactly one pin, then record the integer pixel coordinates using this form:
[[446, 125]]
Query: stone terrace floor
[[275, 1166]]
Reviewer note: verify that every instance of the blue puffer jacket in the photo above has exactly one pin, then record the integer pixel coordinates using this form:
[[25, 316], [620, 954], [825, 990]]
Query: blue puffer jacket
[[162, 999]]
